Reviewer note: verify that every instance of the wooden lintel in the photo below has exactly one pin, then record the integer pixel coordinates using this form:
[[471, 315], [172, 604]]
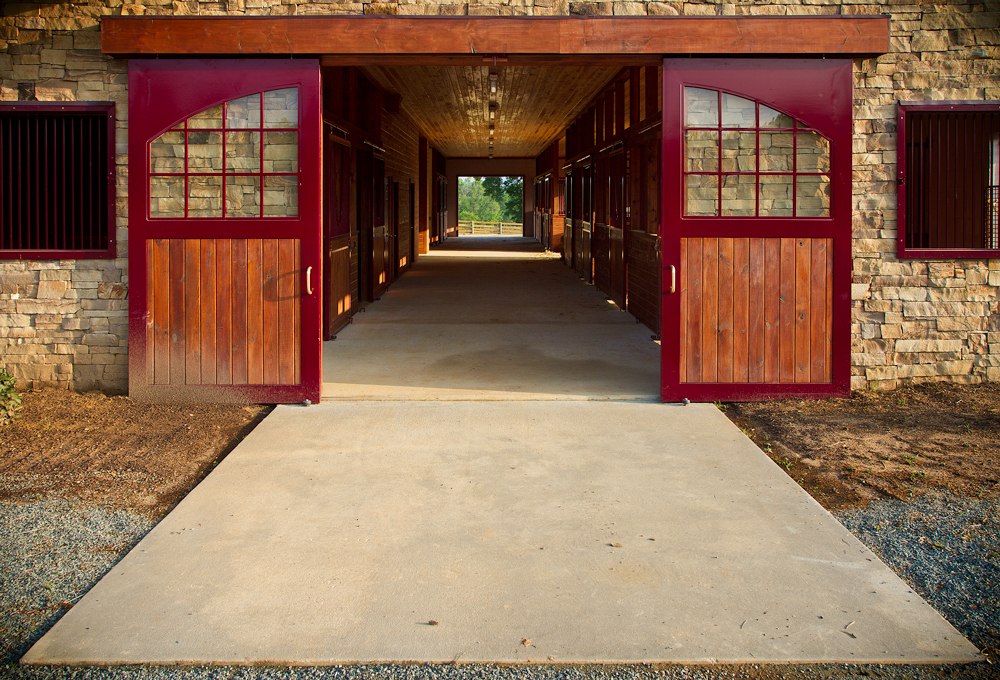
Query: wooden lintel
[[488, 37]]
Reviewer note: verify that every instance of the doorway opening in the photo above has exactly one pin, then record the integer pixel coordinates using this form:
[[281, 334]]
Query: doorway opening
[[490, 206]]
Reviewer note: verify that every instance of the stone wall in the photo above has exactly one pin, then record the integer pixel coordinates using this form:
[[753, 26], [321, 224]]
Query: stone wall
[[64, 322]]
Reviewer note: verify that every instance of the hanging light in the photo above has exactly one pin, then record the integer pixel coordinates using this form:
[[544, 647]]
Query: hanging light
[[493, 83]]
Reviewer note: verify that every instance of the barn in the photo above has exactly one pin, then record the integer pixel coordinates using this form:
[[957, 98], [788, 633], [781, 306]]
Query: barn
[[797, 198]]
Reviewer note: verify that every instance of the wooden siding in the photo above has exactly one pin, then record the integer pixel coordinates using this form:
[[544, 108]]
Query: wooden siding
[[223, 311], [756, 310], [643, 279]]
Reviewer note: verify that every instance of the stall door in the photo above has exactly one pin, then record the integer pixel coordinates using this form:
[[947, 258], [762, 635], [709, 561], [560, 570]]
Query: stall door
[[337, 229], [756, 228], [225, 230]]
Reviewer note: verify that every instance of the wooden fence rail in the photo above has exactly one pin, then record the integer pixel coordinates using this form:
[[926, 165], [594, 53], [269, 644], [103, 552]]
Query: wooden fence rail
[[468, 227]]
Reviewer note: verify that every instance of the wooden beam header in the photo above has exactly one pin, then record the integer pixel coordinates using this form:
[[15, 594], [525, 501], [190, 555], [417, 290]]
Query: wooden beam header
[[414, 37]]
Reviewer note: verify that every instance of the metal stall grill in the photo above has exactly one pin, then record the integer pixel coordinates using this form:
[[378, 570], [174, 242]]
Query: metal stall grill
[[57, 180]]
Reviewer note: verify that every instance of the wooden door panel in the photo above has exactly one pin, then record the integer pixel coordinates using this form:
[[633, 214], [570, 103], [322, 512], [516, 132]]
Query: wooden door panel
[[717, 288], [195, 314]]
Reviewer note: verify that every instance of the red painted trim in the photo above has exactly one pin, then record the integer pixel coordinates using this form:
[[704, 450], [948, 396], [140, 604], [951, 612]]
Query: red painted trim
[[816, 92], [164, 92], [61, 107]]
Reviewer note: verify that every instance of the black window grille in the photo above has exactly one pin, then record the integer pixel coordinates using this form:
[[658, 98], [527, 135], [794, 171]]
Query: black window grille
[[949, 172], [57, 194]]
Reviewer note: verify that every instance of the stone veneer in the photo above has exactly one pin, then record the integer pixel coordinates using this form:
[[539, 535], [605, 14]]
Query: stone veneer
[[64, 322]]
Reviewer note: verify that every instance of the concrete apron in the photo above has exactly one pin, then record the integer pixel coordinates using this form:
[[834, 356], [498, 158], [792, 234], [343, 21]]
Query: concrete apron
[[542, 526], [499, 532]]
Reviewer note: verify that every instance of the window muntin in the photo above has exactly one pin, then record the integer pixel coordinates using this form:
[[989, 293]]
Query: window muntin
[[949, 170], [57, 189], [745, 159], [239, 159]]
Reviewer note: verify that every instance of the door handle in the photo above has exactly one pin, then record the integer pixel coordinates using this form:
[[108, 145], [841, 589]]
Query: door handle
[[673, 278], [309, 285]]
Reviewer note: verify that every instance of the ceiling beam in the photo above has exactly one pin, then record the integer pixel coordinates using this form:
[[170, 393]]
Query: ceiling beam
[[502, 37]]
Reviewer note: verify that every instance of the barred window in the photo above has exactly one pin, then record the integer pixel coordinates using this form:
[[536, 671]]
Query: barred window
[[949, 179], [57, 193]]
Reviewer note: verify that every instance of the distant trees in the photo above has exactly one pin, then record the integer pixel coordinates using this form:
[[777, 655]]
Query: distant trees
[[509, 193], [491, 199]]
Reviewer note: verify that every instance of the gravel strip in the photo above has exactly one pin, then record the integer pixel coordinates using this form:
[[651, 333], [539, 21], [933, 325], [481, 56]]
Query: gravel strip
[[947, 549], [54, 550]]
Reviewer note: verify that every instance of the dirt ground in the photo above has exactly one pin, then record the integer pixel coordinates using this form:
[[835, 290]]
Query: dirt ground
[[114, 451], [846, 452]]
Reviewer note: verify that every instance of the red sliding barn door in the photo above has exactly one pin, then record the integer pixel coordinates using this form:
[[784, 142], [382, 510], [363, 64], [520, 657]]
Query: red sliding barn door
[[756, 228], [224, 230]]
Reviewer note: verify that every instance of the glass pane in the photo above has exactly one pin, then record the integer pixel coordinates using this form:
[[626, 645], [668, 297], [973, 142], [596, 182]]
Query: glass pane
[[701, 151], [281, 152], [769, 118], [281, 196], [166, 153], [212, 119], [739, 193], [243, 151], [738, 112], [775, 195], [739, 151], [243, 112], [205, 196], [701, 107], [204, 151], [166, 197], [812, 153], [702, 195], [812, 196], [281, 108], [242, 196], [776, 151]]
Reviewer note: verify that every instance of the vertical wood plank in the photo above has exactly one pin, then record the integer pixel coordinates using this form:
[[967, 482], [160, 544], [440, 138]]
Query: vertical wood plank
[[682, 282], [255, 309], [176, 322], [725, 307], [209, 360], [192, 311], [297, 310], [240, 284], [286, 319], [772, 309], [150, 311], [756, 320], [817, 310], [741, 306], [161, 311], [786, 366], [223, 312], [828, 376], [803, 277], [269, 310], [694, 329], [710, 310]]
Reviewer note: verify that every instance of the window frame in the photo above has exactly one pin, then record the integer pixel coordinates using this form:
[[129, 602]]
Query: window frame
[[108, 109], [902, 186]]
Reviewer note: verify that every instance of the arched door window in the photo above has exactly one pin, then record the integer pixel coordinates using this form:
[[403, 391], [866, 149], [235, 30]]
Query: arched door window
[[238, 159], [743, 158]]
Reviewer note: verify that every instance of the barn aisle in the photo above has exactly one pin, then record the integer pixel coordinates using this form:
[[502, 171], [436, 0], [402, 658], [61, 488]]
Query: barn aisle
[[491, 318]]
